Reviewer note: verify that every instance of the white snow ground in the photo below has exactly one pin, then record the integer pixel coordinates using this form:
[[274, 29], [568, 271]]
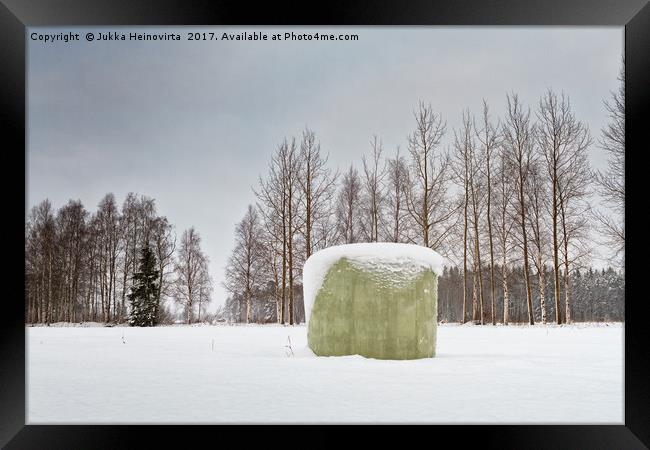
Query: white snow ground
[[226, 374]]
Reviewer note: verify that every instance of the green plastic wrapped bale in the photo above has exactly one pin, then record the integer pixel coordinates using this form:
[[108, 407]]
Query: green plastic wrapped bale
[[374, 302]]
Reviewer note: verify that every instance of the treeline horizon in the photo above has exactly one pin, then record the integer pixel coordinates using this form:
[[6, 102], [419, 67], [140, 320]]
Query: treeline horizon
[[81, 266], [598, 296], [493, 195]]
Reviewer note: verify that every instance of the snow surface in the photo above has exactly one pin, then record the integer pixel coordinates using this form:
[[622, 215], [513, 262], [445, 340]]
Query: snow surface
[[410, 260], [226, 374]]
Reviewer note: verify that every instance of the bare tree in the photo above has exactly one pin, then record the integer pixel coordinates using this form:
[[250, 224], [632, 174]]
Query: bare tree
[[538, 200], [348, 208], [467, 172], [519, 141], [488, 136], [130, 237], [41, 248], [462, 168], [504, 222], [205, 291], [476, 185], [190, 268], [427, 202], [325, 230], [563, 141], [71, 233], [318, 184], [611, 183], [272, 257], [163, 246], [108, 221], [94, 249], [573, 192], [244, 271], [397, 226], [373, 191], [271, 194], [292, 192], [280, 197]]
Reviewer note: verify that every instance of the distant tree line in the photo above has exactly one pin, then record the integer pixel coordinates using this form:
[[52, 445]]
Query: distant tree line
[[598, 296], [112, 266], [508, 201]]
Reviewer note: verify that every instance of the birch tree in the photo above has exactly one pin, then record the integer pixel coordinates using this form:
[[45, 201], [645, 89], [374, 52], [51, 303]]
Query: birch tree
[[476, 186], [348, 207], [317, 184], [70, 236], [462, 175], [519, 141], [563, 141], [373, 191], [428, 204], [163, 246], [291, 167], [108, 217], [244, 271], [41, 249], [611, 182], [488, 137], [573, 191], [272, 205], [190, 268], [397, 223], [538, 199], [504, 222], [280, 196], [467, 164]]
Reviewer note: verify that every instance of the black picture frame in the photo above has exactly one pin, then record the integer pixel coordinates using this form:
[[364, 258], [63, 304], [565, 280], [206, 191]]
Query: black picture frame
[[16, 15]]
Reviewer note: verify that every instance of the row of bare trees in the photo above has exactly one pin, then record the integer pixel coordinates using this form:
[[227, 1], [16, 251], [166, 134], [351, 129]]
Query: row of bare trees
[[295, 219], [491, 195], [79, 266], [524, 182]]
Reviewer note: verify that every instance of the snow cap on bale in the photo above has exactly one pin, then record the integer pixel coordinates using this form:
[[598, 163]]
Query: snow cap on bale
[[386, 255]]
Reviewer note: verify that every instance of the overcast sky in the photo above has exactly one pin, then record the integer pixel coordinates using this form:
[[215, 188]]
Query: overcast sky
[[193, 124]]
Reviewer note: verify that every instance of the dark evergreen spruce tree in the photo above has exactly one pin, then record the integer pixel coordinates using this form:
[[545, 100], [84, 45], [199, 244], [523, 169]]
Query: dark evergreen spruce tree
[[143, 293]]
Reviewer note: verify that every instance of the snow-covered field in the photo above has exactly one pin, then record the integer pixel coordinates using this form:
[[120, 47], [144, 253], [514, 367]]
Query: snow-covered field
[[226, 374]]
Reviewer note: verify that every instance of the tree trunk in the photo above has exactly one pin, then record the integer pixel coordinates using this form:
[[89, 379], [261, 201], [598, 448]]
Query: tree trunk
[[308, 212], [49, 287], [542, 297], [284, 292], [475, 309], [248, 305], [489, 222], [506, 294], [477, 250], [291, 312], [529, 295], [556, 259], [567, 283], [189, 305], [465, 249]]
